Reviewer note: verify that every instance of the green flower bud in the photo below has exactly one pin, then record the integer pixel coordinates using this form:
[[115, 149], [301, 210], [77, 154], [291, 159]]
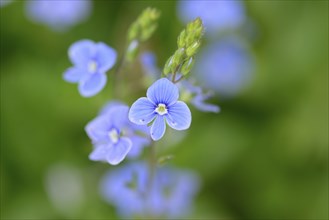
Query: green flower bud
[[132, 50], [178, 56], [193, 49], [147, 32], [168, 66], [187, 66], [133, 31], [181, 39]]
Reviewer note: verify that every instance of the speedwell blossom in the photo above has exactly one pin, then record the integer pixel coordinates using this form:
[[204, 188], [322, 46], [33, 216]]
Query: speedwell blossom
[[160, 106], [114, 136], [170, 194], [197, 97], [91, 61], [58, 14]]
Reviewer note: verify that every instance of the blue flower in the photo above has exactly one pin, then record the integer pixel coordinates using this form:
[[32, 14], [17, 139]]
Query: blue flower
[[198, 97], [148, 61], [161, 106], [114, 136], [58, 15], [169, 194], [216, 15], [91, 61], [225, 67]]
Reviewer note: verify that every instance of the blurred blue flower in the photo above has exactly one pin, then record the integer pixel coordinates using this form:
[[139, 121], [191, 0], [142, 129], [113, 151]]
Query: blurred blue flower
[[148, 61], [161, 106], [114, 136], [170, 194], [91, 61], [197, 97], [225, 67], [60, 14], [216, 15]]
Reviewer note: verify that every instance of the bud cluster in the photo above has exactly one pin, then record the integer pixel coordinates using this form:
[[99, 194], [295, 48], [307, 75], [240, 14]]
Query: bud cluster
[[188, 42], [141, 30]]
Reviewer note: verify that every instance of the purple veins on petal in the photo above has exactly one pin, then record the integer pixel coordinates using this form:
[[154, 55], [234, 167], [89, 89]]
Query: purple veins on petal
[[179, 116], [163, 92], [142, 111], [158, 128], [161, 103]]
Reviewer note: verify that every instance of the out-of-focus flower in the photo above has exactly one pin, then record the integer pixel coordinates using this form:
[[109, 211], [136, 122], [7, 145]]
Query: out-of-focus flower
[[169, 194], [160, 106], [225, 67], [197, 97], [114, 136], [91, 61], [216, 15], [148, 61], [58, 14]]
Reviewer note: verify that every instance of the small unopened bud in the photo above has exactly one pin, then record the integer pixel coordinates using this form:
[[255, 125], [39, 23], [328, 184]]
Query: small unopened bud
[[181, 39], [132, 50], [187, 66], [178, 56], [168, 66], [193, 49]]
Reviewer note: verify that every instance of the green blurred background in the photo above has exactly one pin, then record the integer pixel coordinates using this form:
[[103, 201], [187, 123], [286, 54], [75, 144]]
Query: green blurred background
[[265, 156]]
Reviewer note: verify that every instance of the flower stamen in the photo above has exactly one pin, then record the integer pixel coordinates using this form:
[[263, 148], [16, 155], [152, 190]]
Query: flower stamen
[[161, 109], [114, 135], [92, 66]]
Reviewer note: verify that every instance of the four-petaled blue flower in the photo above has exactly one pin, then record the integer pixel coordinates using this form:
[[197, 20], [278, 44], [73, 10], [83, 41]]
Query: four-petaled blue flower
[[160, 106], [91, 61], [114, 136]]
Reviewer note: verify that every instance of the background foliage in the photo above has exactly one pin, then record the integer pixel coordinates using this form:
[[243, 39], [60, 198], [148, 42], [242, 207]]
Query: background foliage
[[265, 156]]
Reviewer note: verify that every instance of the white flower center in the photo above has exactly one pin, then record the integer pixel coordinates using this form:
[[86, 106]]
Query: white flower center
[[161, 109], [92, 66], [114, 135]]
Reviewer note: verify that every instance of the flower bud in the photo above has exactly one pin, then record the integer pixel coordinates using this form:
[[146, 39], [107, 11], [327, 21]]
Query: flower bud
[[181, 39], [168, 66], [187, 66], [193, 49], [178, 56], [132, 50]]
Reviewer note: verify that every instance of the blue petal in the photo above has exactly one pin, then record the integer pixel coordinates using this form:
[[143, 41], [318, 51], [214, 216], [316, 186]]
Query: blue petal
[[119, 116], [82, 52], [179, 116], [92, 85], [163, 91], [199, 103], [74, 75], [158, 128], [97, 129], [105, 57], [138, 144], [142, 111], [99, 153], [118, 152]]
